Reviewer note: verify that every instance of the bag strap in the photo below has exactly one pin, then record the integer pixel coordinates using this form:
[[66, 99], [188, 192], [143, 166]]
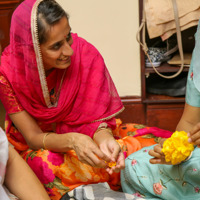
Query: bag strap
[[179, 40]]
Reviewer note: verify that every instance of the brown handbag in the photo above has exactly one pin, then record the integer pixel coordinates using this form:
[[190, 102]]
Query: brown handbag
[[179, 40]]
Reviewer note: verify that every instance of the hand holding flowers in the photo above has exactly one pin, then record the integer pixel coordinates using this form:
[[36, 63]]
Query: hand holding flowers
[[174, 150], [177, 148]]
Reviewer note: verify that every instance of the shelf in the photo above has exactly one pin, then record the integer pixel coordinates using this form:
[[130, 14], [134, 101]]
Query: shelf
[[155, 98], [165, 68]]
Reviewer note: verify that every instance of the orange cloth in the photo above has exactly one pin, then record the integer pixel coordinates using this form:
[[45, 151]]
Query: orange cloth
[[62, 172]]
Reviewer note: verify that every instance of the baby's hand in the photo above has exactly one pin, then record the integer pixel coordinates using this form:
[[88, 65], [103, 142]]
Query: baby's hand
[[159, 157]]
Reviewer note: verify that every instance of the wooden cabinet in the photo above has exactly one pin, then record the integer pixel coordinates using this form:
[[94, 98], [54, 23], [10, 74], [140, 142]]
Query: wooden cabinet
[[164, 115], [161, 110], [6, 9]]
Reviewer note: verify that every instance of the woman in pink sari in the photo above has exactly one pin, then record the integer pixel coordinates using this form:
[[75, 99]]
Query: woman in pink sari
[[60, 102]]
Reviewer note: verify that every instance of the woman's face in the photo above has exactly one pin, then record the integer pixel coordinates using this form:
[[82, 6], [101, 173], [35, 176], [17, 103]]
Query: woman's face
[[56, 51]]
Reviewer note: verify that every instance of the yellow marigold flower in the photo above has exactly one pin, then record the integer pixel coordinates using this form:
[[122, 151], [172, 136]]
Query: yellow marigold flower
[[111, 164], [177, 148]]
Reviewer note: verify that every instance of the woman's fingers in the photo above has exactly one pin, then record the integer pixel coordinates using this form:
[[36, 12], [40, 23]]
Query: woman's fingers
[[88, 152], [195, 129], [93, 160], [120, 164], [98, 158], [88, 161], [117, 161], [194, 138], [101, 155], [115, 151], [194, 135], [120, 161]]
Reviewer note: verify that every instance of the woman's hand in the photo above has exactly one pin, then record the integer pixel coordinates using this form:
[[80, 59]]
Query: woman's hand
[[194, 135], [111, 148], [88, 151], [157, 154]]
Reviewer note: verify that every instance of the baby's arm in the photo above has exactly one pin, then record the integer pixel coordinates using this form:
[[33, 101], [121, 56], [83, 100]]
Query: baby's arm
[[21, 180]]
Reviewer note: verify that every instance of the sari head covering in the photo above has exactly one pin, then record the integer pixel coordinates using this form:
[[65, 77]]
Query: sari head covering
[[87, 94]]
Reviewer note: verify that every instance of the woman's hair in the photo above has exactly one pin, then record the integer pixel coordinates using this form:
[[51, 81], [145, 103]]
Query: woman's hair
[[49, 13]]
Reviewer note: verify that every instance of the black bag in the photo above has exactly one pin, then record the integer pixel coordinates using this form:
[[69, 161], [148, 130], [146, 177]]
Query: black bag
[[172, 87]]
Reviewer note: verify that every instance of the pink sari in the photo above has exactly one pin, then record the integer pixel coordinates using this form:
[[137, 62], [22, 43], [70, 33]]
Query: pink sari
[[87, 98], [80, 87]]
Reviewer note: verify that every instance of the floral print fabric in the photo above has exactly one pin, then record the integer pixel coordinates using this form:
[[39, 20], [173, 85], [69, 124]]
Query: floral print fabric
[[161, 181], [62, 172], [8, 95]]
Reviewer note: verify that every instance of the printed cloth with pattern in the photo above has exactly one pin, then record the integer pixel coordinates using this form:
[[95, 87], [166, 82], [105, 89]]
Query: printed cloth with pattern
[[167, 182]]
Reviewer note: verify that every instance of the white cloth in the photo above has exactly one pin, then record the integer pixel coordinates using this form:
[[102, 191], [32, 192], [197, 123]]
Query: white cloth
[[3, 162], [99, 191]]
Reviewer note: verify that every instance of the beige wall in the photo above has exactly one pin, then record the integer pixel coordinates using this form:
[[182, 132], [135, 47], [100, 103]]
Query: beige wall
[[111, 26]]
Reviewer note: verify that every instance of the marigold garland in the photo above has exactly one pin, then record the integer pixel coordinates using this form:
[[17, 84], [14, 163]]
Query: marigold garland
[[177, 148]]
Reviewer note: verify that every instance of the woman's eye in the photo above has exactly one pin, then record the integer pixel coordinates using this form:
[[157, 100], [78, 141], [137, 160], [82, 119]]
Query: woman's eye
[[68, 37], [56, 46]]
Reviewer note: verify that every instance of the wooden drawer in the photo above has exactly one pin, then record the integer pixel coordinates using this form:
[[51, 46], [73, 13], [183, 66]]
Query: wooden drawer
[[165, 116]]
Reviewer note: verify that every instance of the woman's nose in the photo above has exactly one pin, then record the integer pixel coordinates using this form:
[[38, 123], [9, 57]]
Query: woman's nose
[[67, 50]]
